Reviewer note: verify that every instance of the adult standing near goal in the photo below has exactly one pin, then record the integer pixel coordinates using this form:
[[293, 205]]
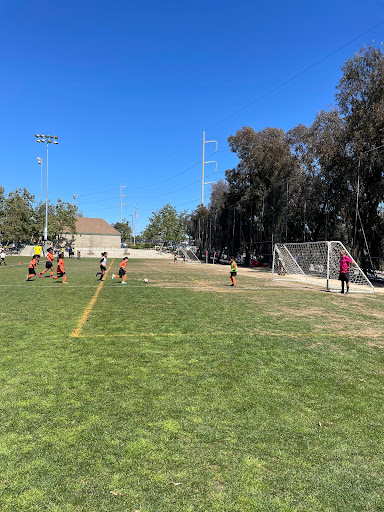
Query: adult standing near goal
[[233, 272], [345, 263]]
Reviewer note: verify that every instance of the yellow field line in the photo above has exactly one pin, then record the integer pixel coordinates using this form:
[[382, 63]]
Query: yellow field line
[[88, 309]]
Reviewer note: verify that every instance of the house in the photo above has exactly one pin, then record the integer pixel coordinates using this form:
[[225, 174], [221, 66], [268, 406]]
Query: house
[[95, 235]]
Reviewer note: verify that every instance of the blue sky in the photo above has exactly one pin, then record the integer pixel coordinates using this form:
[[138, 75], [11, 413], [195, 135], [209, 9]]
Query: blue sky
[[129, 88]]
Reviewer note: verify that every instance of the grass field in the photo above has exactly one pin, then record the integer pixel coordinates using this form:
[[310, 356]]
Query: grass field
[[185, 394]]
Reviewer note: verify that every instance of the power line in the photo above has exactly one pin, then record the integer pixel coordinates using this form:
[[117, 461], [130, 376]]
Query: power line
[[299, 74]]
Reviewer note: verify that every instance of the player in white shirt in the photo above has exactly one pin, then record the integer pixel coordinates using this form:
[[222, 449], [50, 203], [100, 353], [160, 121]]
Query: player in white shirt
[[103, 266]]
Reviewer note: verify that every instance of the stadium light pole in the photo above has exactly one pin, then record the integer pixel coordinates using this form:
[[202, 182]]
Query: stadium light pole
[[48, 139], [40, 162]]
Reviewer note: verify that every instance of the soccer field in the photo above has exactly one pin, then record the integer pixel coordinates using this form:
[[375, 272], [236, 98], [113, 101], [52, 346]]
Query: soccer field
[[186, 394]]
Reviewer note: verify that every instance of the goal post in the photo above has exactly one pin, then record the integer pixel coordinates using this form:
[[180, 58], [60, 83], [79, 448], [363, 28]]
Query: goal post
[[316, 263], [190, 256]]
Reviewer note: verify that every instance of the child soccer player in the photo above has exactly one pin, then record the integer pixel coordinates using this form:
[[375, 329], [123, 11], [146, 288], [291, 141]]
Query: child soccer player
[[345, 263], [2, 256], [48, 263], [37, 251], [31, 269], [122, 271], [233, 272], [61, 269], [103, 266]]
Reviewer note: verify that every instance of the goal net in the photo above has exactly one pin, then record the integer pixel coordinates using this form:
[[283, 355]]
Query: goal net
[[190, 256], [317, 263]]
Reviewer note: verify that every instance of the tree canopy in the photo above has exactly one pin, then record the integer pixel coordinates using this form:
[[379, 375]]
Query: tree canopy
[[21, 220], [124, 229], [318, 182], [166, 225]]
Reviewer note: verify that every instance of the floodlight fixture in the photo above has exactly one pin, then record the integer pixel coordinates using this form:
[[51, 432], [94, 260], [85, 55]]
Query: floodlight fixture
[[37, 136], [56, 137], [55, 142]]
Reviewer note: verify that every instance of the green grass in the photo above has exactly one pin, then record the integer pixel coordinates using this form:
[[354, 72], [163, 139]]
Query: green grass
[[185, 394]]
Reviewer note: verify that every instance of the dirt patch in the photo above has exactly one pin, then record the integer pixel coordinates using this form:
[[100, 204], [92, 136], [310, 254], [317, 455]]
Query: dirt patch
[[376, 344]]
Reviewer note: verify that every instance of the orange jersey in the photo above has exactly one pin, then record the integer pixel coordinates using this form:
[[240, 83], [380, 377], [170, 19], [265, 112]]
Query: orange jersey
[[123, 264], [50, 257], [33, 263], [60, 266]]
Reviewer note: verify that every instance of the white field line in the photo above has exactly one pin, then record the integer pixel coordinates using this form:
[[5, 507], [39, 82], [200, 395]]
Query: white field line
[[114, 287]]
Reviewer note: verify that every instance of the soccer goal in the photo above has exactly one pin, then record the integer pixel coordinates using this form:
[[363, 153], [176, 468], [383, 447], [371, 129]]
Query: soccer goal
[[316, 263], [190, 256]]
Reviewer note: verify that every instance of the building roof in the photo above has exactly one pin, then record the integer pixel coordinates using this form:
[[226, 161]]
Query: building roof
[[88, 226]]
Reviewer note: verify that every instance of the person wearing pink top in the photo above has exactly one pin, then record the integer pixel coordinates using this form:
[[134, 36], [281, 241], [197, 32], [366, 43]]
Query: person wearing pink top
[[345, 263]]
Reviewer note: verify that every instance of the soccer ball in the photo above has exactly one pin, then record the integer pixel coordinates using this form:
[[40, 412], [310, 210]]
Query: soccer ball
[[145, 280]]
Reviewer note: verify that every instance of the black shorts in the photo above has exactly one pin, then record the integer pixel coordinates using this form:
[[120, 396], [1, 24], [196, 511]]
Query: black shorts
[[122, 272], [60, 274], [344, 276], [102, 268], [32, 271], [233, 274], [48, 264]]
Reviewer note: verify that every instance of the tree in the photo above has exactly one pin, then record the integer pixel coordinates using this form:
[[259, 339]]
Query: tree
[[124, 229], [167, 225], [61, 220], [257, 188], [18, 216], [360, 99]]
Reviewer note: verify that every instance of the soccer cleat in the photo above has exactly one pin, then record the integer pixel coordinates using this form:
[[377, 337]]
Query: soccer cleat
[[123, 282], [27, 278], [113, 276], [65, 282], [40, 274]]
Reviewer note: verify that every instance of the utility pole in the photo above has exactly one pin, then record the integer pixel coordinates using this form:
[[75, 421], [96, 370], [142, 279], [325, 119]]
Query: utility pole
[[121, 201], [203, 163], [132, 240], [134, 229]]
